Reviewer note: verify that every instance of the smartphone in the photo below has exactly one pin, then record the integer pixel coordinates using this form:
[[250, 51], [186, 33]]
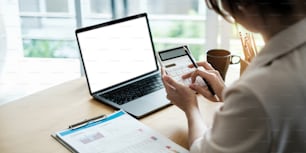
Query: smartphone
[[175, 62]]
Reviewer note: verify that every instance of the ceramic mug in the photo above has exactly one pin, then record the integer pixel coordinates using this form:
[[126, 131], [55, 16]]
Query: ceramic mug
[[220, 59]]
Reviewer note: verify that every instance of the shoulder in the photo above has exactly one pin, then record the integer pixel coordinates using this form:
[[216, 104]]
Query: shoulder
[[281, 78], [278, 86]]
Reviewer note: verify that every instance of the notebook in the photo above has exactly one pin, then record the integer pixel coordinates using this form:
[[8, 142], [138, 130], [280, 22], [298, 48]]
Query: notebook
[[121, 66]]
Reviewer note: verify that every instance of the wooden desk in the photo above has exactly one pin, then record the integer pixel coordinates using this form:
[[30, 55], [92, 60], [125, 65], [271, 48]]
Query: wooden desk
[[26, 124]]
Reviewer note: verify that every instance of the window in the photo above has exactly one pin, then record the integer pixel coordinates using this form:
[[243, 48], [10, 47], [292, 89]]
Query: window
[[96, 11], [47, 28], [48, 25], [175, 23]]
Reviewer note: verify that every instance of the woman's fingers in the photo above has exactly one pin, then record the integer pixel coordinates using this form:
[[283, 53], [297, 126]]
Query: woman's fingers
[[163, 71], [171, 82], [213, 78], [188, 75], [206, 65], [209, 75], [204, 91], [191, 66]]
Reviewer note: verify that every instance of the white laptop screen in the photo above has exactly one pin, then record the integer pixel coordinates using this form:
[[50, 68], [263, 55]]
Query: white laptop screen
[[116, 53]]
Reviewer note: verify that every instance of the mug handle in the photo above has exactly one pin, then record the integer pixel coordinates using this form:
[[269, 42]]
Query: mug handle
[[235, 61]]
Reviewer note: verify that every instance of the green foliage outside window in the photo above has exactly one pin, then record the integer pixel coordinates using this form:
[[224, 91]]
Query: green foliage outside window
[[183, 29], [49, 48]]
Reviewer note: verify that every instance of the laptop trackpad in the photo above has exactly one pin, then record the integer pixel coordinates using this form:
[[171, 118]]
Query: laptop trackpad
[[147, 104]]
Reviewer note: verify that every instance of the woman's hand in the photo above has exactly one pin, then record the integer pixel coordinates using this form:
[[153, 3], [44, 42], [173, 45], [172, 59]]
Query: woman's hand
[[185, 98], [212, 77], [180, 95]]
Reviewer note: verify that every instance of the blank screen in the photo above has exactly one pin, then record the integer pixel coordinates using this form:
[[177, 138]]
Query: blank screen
[[172, 54], [116, 53]]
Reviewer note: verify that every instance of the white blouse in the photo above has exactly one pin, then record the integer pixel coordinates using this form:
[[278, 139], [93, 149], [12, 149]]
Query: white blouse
[[265, 110]]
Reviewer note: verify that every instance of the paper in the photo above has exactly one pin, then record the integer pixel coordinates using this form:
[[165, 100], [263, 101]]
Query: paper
[[118, 133]]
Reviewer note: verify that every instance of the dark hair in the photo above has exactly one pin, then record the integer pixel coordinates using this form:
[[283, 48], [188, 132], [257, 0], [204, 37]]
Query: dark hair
[[276, 7]]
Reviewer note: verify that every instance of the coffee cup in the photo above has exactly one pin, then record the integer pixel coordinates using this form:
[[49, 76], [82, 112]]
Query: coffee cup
[[220, 59]]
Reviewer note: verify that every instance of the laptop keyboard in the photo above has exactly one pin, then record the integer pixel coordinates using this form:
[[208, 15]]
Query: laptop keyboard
[[135, 90]]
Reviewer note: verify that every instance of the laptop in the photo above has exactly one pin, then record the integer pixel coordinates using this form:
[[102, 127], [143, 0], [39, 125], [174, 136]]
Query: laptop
[[121, 66]]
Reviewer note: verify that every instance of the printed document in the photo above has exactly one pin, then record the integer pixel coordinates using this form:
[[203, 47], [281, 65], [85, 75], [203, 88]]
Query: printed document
[[118, 133]]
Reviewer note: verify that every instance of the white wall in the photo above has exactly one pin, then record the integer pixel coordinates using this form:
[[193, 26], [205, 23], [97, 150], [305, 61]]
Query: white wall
[[11, 46], [2, 41], [22, 76]]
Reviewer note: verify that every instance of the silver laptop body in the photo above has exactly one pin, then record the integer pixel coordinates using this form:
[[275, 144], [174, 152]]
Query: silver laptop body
[[117, 54]]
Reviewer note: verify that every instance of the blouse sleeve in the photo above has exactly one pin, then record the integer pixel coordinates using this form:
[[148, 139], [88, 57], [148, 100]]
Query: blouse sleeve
[[240, 126]]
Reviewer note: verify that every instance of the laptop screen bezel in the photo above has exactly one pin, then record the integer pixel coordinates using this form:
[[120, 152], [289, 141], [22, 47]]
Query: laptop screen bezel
[[112, 22]]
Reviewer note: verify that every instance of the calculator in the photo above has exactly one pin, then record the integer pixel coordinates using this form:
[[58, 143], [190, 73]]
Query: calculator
[[175, 61]]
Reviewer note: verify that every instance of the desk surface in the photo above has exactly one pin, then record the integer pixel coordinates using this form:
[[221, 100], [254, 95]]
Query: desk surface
[[26, 124]]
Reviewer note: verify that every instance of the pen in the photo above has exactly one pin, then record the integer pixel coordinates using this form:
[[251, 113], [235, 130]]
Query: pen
[[86, 121], [196, 66]]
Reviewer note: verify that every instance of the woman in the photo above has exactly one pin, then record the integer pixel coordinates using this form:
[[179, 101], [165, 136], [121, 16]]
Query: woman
[[265, 110]]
